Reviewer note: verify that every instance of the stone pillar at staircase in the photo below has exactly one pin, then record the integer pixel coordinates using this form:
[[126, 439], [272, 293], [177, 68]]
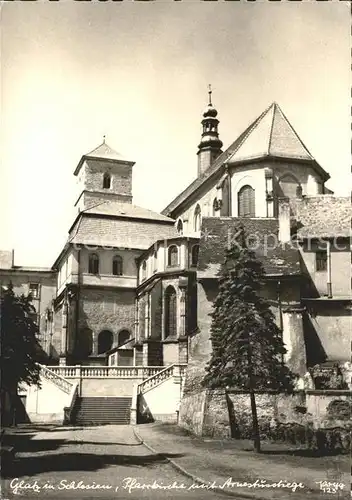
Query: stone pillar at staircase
[[183, 351]]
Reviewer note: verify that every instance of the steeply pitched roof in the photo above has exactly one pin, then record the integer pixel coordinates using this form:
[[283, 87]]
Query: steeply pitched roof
[[102, 152], [269, 135], [118, 232], [217, 232], [127, 210], [323, 216]]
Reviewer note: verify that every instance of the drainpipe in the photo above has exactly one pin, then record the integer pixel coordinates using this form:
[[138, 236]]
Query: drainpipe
[[328, 257]]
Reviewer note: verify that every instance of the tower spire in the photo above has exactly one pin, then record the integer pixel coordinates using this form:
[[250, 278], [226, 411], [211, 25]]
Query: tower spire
[[210, 144], [210, 92]]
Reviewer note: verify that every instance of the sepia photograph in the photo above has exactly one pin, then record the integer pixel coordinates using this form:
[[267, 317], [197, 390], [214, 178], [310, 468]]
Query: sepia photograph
[[175, 250]]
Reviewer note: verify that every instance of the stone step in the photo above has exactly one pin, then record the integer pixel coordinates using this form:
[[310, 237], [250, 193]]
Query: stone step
[[99, 410]]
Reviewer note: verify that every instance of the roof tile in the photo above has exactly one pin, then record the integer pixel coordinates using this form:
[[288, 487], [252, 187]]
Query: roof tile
[[322, 216], [104, 151], [92, 229], [127, 210]]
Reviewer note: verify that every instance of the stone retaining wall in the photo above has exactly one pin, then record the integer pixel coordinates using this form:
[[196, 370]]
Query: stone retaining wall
[[226, 414]]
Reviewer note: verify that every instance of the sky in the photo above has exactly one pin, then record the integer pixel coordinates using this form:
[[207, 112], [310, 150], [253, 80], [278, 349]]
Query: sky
[[137, 72]]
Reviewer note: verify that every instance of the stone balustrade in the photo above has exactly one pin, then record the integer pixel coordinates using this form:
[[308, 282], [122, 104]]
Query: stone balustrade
[[129, 372], [155, 379], [56, 378]]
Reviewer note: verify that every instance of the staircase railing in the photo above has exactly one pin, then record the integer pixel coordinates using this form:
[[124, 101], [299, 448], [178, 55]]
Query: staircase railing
[[56, 379], [164, 374], [68, 410], [78, 371]]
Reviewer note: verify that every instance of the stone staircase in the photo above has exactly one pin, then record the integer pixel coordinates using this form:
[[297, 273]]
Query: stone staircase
[[98, 395], [102, 410], [158, 397]]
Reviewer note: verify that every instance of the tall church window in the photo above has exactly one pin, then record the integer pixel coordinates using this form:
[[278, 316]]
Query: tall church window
[[197, 218], [180, 227], [246, 202], [106, 181], [117, 266], [93, 264], [172, 256], [194, 255], [105, 340], [170, 312]]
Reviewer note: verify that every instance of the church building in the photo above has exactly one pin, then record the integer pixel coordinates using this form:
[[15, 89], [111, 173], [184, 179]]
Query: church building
[[132, 287]]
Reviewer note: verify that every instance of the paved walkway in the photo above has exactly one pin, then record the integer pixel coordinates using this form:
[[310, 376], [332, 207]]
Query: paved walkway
[[227, 464], [105, 462]]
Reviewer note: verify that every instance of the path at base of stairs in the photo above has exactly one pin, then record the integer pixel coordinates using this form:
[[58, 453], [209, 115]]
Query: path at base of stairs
[[224, 460]]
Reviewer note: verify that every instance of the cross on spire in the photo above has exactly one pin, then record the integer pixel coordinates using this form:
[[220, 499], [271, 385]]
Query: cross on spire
[[104, 136], [210, 92]]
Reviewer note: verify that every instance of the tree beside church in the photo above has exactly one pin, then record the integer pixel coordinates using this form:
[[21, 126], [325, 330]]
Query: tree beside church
[[20, 349], [247, 346]]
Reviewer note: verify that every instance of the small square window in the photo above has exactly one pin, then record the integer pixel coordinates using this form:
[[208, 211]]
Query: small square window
[[321, 260], [34, 290]]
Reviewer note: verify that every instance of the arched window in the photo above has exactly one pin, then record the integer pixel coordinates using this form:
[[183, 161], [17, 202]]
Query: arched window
[[106, 181], [197, 218], [105, 339], [93, 264], [180, 227], [124, 335], [194, 255], [172, 256], [117, 265], [144, 270], [170, 312], [246, 202], [215, 207]]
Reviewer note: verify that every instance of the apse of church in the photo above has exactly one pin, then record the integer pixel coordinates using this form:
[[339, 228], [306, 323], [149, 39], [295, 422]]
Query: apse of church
[[266, 162]]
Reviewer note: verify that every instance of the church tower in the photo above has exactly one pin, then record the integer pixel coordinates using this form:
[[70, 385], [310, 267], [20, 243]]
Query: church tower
[[103, 176], [210, 145]]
